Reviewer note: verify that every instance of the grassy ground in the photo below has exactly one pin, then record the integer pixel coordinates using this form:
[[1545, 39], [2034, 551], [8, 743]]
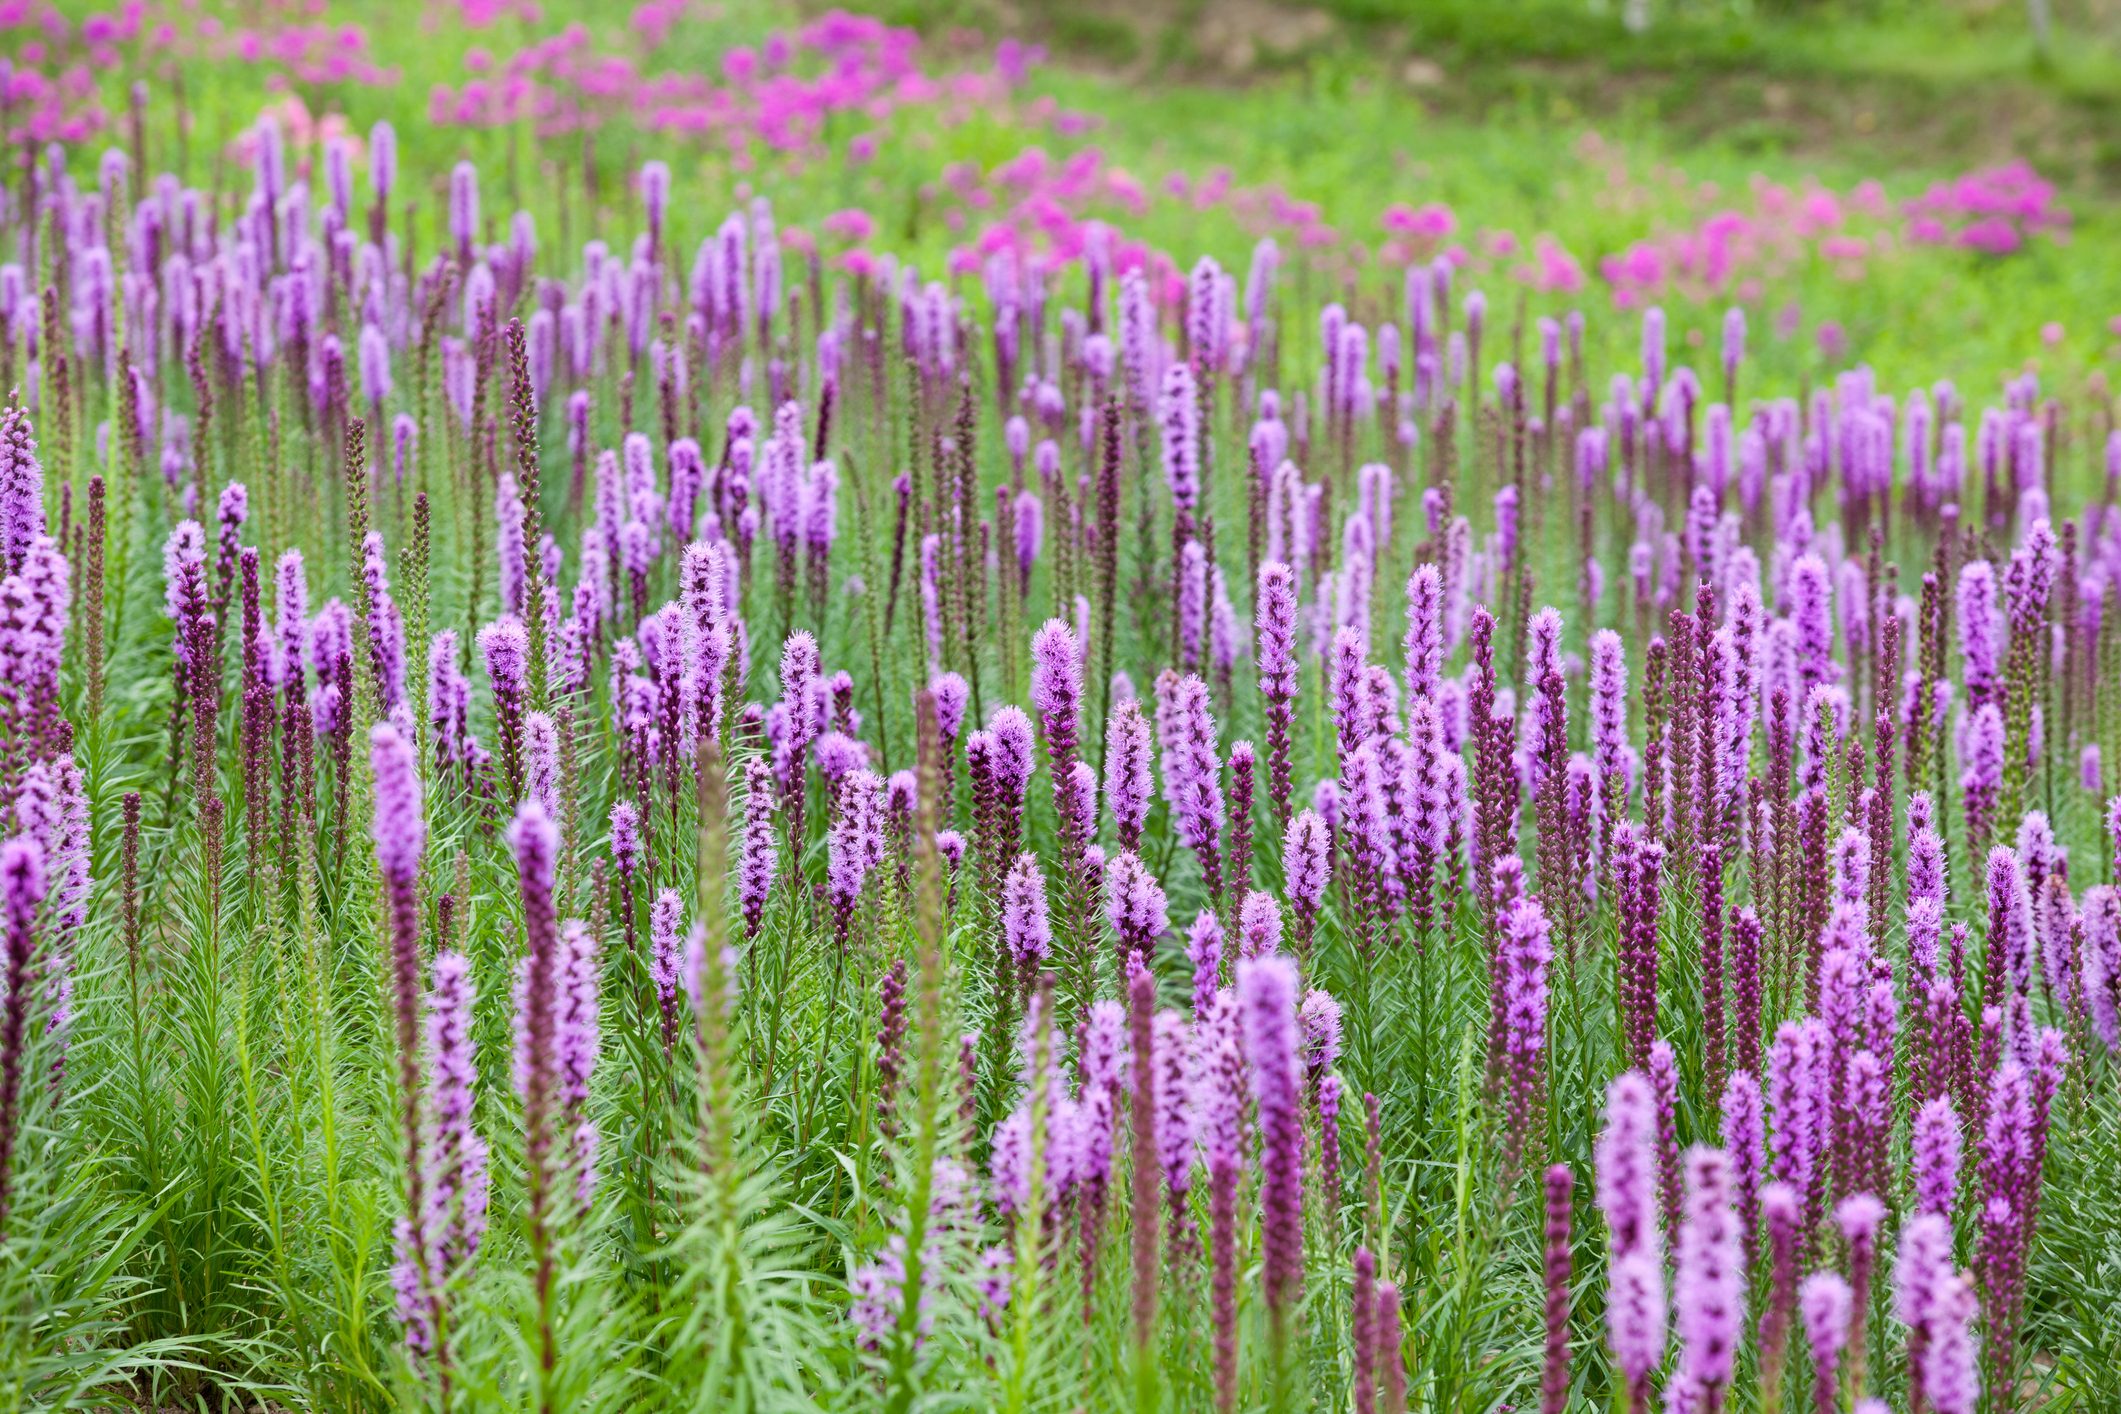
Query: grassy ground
[[1834, 79], [1533, 118]]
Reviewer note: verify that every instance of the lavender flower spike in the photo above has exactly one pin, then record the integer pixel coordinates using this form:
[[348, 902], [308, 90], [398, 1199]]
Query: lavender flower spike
[[1135, 904], [400, 835], [1204, 949], [1266, 1000], [1057, 690], [1027, 932], [1193, 776], [21, 892], [1627, 1194], [1275, 621], [1709, 1289], [1824, 1301], [1128, 778], [1304, 870]]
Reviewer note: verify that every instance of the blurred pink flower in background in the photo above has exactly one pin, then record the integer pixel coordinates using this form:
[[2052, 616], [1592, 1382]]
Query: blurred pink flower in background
[[849, 225]]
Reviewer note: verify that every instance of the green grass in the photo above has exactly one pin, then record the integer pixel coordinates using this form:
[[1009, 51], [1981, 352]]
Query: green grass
[[1883, 94]]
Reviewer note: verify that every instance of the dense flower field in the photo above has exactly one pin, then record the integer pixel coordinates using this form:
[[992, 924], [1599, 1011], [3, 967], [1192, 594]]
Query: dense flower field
[[721, 814]]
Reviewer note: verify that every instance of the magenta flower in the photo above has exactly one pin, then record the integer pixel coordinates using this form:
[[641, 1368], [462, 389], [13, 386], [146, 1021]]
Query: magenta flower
[[1609, 720], [509, 514], [2009, 955], [464, 209], [951, 696], [1146, 1147], [1811, 600], [1525, 951], [1635, 1320], [1936, 1303], [1192, 604], [1979, 619], [400, 835], [541, 761], [577, 1043]]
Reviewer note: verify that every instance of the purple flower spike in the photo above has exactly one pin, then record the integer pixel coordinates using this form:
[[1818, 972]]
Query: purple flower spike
[[1266, 1001], [1934, 1147], [757, 862], [1275, 623], [1057, 690], [1304, 869], [951, 696], [1423, 644], [457, 1191], [1178, 411], [1525, 951], [1258, 925], [1981, 632], [855, 847], [1554, 1378], [1177, 1117], [1204, 949], [22, 888], [1626, 1161], [22, 517], [540, 986], [1709, 1288], [401, 835], [1823, 1302], [577, 1049], [1128, 778], [1745, 1140], [1936, 1303], [1193, 776], [1027, 932], [1134, 904], [666, 950], [505, 645], [1635, 1320], [400, 829]]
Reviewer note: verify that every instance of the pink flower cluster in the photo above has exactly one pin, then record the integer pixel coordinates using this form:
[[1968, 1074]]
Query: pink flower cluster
[[1735, 251], [1993, 211], [778, 95]]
